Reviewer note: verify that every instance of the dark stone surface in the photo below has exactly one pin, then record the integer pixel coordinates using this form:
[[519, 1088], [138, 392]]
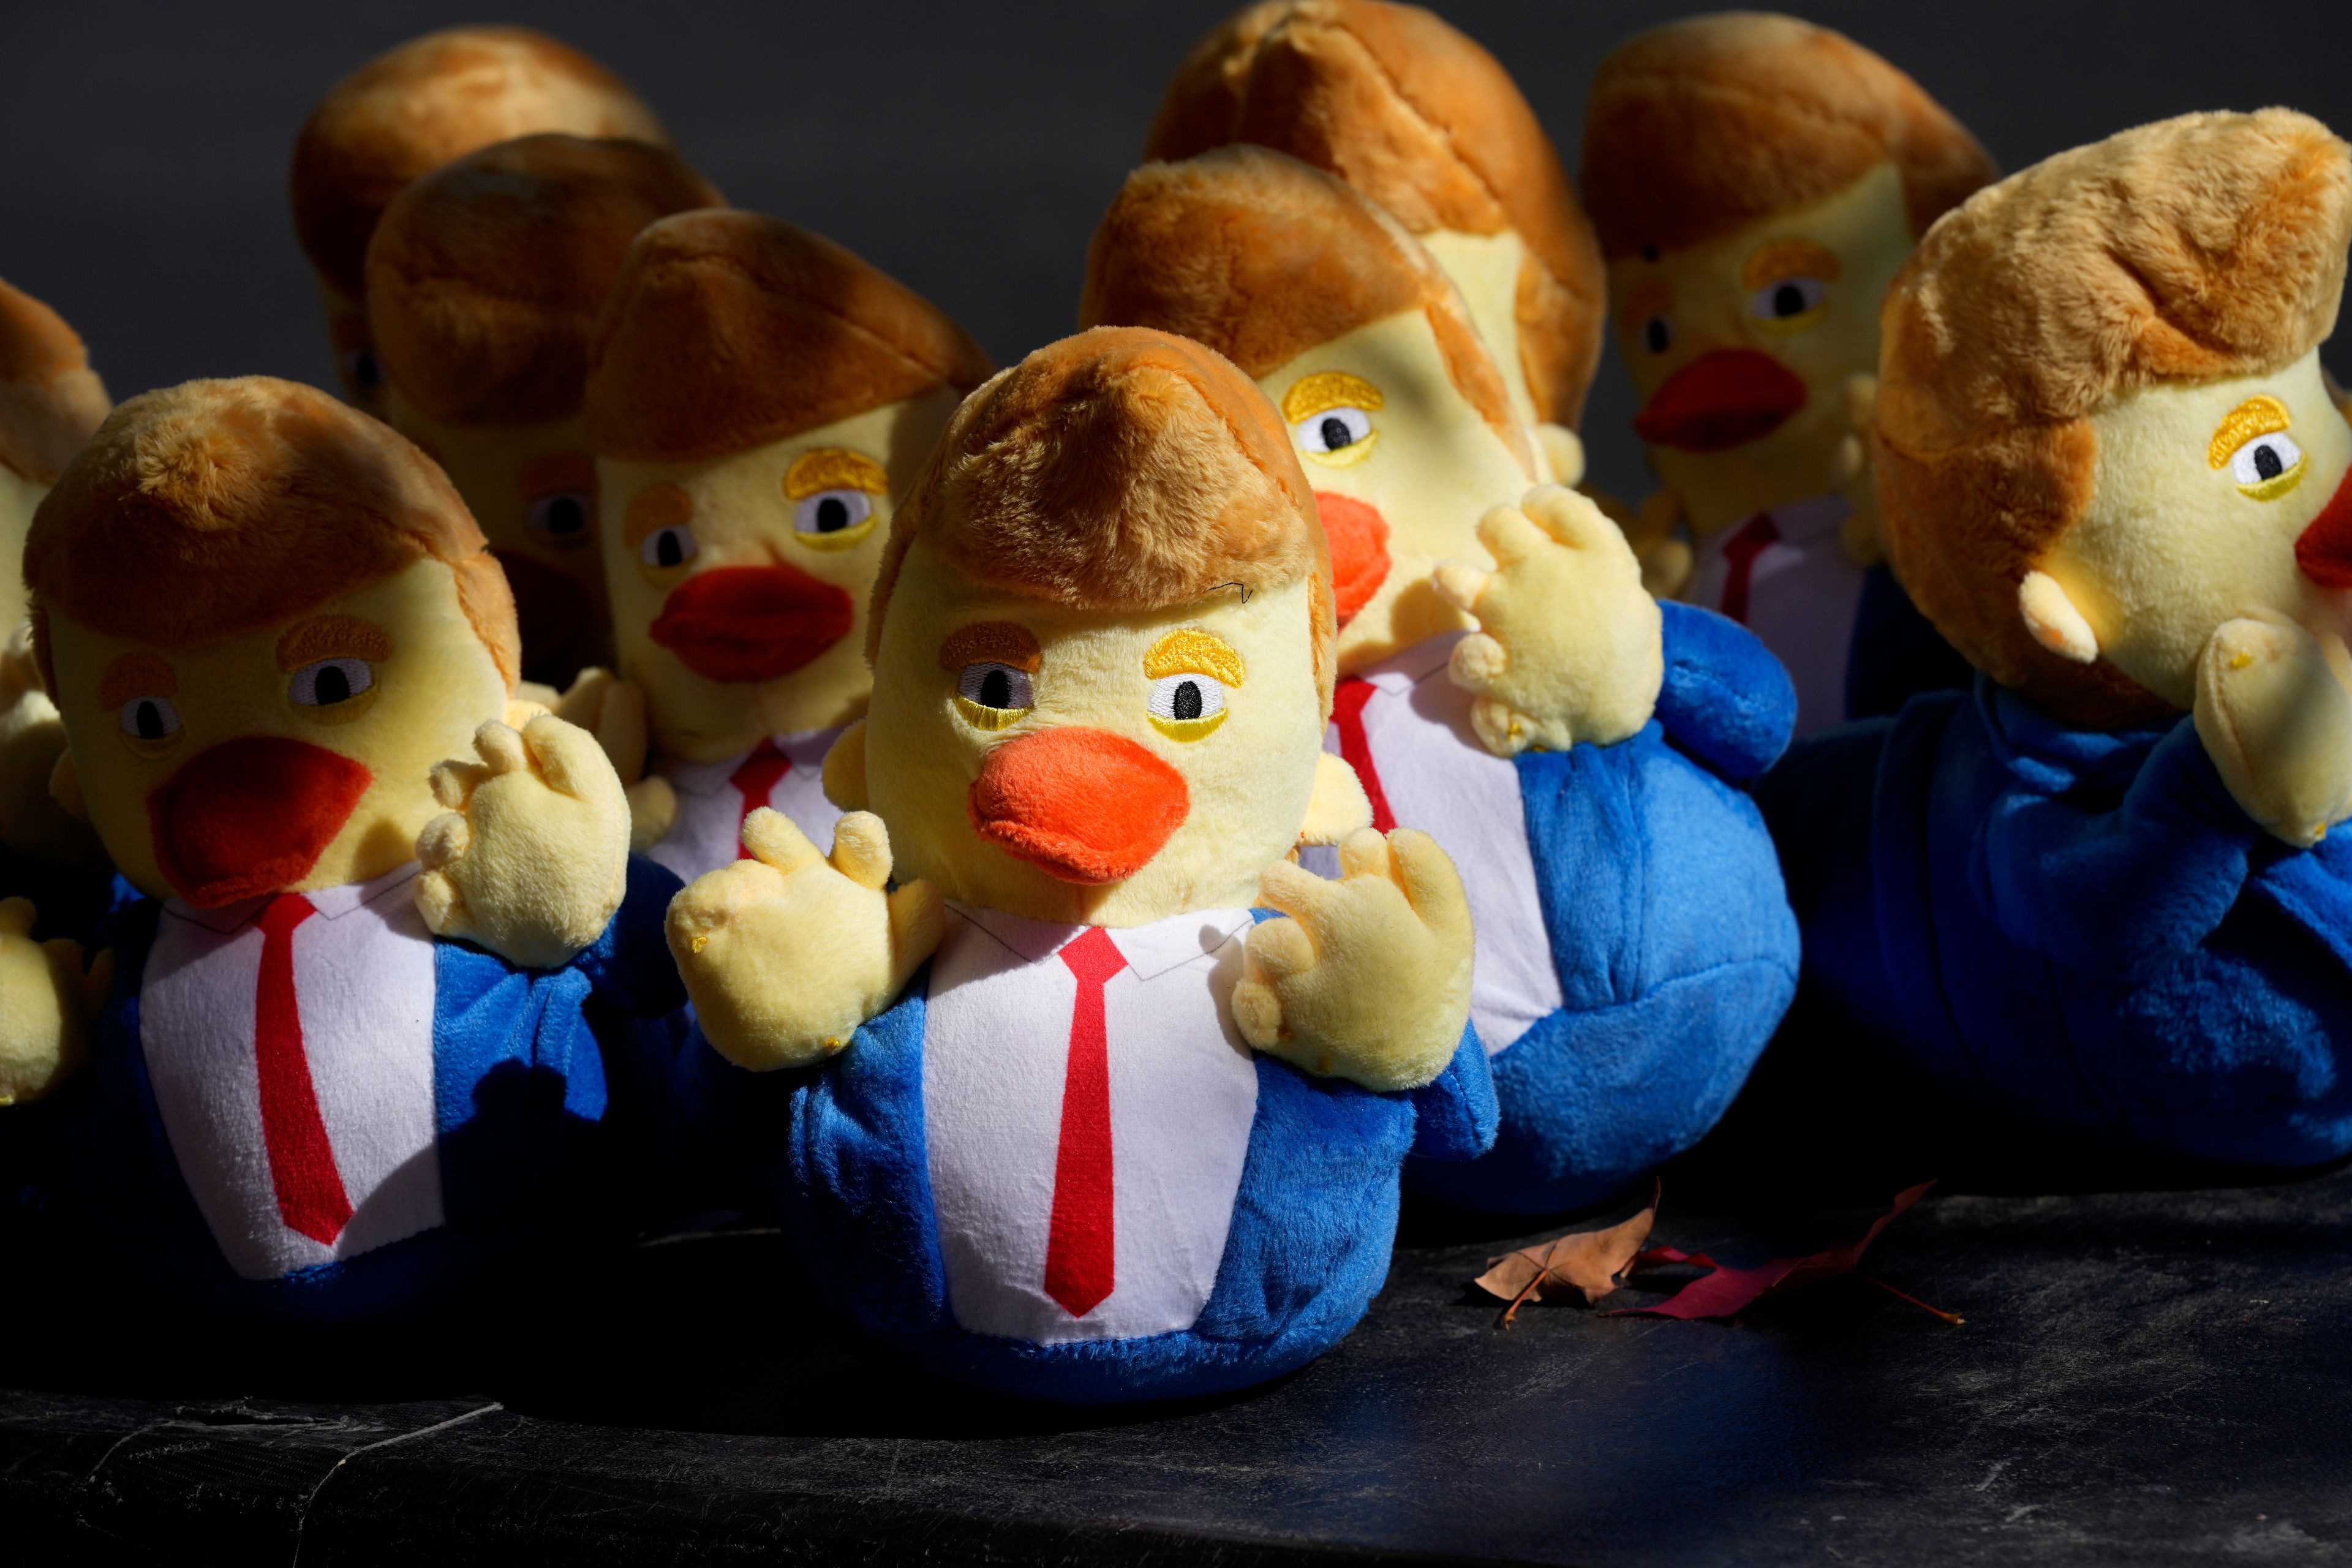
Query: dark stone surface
[[2154, 1375]]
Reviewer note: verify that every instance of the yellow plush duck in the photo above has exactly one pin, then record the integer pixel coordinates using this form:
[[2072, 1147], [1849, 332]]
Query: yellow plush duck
[[758, 399], [50, 402], [405, 113], [1507, 682], [1050, 1163], [336, 1058], [484, 282], [1756, 182], [1416, 116]]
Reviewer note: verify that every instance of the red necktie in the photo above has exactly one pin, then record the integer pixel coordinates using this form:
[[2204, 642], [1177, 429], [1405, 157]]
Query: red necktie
[[1757, 535], [310, 1196], [754, 781], [1356, 750], [1078, 1246]]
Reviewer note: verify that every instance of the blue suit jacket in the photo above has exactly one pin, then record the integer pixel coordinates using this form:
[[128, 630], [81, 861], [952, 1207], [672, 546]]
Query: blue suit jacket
[[1669, 929], [530, 1138], [2079, 926], [842, 1145]]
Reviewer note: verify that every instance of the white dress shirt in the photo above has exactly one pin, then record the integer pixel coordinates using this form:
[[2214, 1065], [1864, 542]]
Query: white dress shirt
[[1439, 778], [363, 987], [1183, 1097], [710, 809], [1803, 592]]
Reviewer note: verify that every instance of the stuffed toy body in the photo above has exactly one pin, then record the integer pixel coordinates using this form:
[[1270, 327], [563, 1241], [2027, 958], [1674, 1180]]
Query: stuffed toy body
[[404, 114], [2101, 892], [1577, 750], [1055, 1117], [484, 282], [50, 402], [1755, 182], [343, 1060], [758, 399], [1414, 114]]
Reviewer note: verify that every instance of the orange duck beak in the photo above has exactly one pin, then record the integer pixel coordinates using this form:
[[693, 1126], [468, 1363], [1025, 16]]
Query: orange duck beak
[[1358, 537], [1083, 806], [250, 817], [2323, 549], [752, 623], [1724, 398]]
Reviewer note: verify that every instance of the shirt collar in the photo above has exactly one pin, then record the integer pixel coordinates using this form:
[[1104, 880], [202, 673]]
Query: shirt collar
[[804, 749], [1150, 951], [333, 902], [1802, 522], [2053, 757], [1403, 671]]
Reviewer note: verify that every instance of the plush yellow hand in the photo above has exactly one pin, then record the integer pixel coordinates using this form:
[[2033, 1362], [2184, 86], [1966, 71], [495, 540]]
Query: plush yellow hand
[[786, 953], [2274, 710], [1568, 647], [1564, 450], [532, 855], [653, 811], [1368, 979], [611, 709], [45, 1006], [1851, 473]]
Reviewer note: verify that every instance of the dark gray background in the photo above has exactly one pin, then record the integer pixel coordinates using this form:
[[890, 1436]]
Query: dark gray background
[[967, 149]]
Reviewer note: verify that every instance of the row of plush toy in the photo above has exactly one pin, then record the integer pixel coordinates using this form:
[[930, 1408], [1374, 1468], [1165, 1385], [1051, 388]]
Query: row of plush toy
[[1115, 818]]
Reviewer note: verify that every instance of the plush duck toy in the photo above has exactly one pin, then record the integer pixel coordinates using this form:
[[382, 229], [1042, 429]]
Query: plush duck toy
[[1416, 116], [1755, 181], [2101, 892], [758, 399], [1076, 1128], [1578, 752], [335, 1063], [484, 282], [403, 115]]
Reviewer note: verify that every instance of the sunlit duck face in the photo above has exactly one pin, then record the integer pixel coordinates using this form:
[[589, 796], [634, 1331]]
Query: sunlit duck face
[[1740, 347], [2211, 500], [739, 585], [1070, 763]]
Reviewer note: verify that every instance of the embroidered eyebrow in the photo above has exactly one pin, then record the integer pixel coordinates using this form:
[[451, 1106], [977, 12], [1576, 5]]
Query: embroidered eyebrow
[[1326, 390], [652, 509], [333, 636], [833, 469], [992, 642], [2260, 415], [1779, 259], [1188, 651], [558, 473], [136, 675]]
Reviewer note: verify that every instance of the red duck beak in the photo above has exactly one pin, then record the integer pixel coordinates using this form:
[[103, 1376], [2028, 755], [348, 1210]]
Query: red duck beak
[[752, 623], [1358, 537], [2323, 549], [555, 617], [250, 817], [1724, 398], [1084, 805]]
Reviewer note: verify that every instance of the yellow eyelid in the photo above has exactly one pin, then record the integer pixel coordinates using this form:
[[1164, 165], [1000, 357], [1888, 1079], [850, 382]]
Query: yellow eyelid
[[833, 469], [1781, 258], [1326, 390], [2260, 415], [991, 718], [1190, 728], [1192, 652]]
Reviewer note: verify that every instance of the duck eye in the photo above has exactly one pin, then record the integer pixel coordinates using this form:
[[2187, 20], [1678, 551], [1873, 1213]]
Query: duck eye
[[150, 719], [2267, 466], [993, 695], [1335, 436], [667, 547], [1788, 302], [832, 519], [360, 369], [566, 518], [331, 682], [1187, 705], [1656, 336]]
